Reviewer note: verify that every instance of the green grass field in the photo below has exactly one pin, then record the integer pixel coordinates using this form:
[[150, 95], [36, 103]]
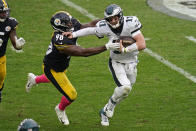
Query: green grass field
[[161, 100]]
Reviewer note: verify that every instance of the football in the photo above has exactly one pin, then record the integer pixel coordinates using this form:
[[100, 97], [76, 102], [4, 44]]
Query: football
[[126, 40]]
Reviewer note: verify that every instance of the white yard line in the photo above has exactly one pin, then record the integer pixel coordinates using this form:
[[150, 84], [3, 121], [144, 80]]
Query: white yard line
[[169, 64], [148, 51], [191, 38], [147, 39], [80, 9]]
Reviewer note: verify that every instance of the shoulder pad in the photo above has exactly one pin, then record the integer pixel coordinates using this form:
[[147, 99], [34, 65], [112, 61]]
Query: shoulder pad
[[13, 19], [12, 22], [101, 23], [74, 21], [133, 22], [76, 24], [129, 18]]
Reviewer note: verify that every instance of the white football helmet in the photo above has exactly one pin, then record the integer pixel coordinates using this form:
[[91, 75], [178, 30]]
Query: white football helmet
[[113, 10]]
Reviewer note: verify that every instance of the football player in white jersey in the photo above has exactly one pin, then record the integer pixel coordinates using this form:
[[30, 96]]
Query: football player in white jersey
[[121, 64]]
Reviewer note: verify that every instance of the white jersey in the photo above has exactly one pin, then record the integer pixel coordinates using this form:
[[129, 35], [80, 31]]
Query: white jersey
[[131, 27]]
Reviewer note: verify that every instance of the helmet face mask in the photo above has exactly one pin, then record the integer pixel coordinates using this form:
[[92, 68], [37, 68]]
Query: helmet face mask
[[61, 21], [113, 21], [110, 12], [4, 10]]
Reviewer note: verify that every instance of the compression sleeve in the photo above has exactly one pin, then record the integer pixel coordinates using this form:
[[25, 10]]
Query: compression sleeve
[[84, 32]]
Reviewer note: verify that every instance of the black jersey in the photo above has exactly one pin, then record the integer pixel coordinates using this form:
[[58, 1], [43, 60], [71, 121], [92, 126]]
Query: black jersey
[[53, 58], [5, 28]]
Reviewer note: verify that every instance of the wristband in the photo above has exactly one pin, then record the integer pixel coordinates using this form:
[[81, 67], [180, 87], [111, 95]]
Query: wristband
[[131, 48]]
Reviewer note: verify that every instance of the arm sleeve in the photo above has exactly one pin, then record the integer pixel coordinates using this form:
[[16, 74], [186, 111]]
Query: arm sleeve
[[84, 32]]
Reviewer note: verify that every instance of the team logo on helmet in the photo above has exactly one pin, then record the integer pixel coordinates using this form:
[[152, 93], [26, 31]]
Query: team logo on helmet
[[57, 22], [61, 21]]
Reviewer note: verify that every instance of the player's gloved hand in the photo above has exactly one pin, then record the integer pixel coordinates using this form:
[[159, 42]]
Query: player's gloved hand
[[20, 42], [112, 46]]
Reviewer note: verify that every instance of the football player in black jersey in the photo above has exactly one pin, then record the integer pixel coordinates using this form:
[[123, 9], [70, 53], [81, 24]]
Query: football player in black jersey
[[57, 58], [7, 30]]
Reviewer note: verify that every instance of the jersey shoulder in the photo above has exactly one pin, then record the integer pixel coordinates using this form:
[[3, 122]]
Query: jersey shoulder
[[132, 22], [59, 39], [12, 22], [101, 29], [101, 24], [76, 24]]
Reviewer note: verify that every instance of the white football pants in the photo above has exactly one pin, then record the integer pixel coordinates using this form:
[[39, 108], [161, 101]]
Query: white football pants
[[123, 73]]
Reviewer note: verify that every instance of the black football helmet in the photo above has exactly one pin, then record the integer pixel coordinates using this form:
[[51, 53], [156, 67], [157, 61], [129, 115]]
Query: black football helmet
[[113, 10], [61, 21], [28, 125], [4, 8]]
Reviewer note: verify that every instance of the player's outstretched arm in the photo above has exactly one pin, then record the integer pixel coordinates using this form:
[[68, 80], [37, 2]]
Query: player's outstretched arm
[[80, 33], [80, 51], [17, 43]]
